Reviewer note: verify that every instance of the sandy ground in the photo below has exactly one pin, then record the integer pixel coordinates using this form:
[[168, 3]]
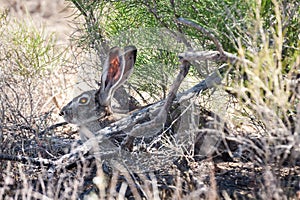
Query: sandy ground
[[55, 16]]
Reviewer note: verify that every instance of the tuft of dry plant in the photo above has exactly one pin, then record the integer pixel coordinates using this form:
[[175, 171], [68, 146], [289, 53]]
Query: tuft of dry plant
[[30, 82]]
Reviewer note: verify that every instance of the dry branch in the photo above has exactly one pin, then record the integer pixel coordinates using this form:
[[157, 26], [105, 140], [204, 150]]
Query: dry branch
[[204, 31], [213, 56], [160, 119], [27, 160]]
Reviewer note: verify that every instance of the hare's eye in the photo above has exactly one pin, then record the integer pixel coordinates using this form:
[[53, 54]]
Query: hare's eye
[[83, 100]]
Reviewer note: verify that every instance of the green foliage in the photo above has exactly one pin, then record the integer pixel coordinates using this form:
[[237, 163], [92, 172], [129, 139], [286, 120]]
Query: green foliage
[[28, 51], [155, 75], [230, 20]]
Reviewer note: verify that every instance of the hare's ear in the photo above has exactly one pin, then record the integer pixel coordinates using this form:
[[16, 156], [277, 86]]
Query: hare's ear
[[116, 70], [129, 57]]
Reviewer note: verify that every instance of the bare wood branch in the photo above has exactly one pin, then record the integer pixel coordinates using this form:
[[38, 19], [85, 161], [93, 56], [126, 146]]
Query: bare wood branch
[[204, 31], [211, 81], [52, 127], [160, 119], [213, 56], [27, 160]]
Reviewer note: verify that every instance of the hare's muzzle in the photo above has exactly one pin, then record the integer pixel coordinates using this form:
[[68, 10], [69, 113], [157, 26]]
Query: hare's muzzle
[[61, 113], [64, 111], [67, 114]]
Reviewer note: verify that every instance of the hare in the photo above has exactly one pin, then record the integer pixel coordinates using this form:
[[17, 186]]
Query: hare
[[92, 109]]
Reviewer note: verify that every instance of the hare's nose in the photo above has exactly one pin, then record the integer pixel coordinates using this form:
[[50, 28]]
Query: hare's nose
[[64, 111], [61, 113]]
